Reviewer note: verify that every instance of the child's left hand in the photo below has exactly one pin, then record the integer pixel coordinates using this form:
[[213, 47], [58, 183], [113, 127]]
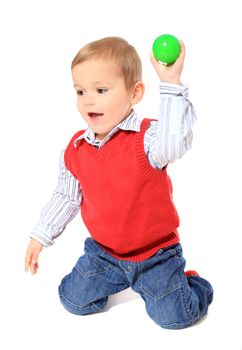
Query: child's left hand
[[170, 73]]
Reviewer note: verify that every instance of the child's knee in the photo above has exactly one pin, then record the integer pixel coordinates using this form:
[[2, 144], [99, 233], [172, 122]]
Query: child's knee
[[172, 312], [74, 301], [172, 319], [67, 301]]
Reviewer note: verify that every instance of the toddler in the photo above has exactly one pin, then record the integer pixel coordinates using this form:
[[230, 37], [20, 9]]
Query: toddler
[[115, 172]]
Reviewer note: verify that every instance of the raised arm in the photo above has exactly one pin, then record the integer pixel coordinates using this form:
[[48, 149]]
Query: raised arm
[[171, 136]]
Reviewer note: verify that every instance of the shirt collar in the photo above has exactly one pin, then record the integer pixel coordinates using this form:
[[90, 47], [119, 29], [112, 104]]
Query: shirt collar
[[131, 123]]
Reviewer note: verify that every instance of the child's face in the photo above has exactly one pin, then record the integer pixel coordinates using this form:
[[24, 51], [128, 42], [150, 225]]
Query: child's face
[[102, 98]]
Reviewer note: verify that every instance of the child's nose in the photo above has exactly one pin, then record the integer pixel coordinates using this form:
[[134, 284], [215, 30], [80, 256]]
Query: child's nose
[[89, 100]]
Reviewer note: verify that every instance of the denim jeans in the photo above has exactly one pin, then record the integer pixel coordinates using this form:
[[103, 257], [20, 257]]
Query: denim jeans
[[172, 300]]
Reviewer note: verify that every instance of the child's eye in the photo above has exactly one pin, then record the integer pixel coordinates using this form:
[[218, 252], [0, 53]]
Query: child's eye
[[80, 93], [102, 90]]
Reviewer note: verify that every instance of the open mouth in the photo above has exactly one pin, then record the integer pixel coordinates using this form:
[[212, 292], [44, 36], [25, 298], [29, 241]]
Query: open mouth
[[95, 115]]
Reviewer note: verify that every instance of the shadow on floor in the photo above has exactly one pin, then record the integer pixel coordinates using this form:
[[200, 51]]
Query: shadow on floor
[[125, 296]]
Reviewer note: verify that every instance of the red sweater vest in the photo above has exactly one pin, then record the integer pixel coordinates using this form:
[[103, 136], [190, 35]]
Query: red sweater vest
[[127, 204]]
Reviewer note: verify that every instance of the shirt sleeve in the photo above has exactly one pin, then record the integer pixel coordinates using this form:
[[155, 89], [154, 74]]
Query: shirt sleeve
[[171, 136], [62, 208]]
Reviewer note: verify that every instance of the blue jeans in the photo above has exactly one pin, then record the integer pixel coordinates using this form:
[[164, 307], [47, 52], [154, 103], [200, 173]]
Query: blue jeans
[[172, 300]]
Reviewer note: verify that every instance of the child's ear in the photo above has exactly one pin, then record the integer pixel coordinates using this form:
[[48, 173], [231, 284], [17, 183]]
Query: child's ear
[[137, 92]]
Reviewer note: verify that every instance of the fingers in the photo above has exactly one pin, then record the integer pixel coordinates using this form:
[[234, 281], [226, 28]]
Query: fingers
[[181, 58], [31, 262], [183, 49], [32, 256], [154, 60], [34, 267], [27, 261], [152, 57], [159, 67]]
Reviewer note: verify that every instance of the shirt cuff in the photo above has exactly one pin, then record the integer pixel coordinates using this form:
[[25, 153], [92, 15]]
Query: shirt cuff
[[174, 89], [41, 237]]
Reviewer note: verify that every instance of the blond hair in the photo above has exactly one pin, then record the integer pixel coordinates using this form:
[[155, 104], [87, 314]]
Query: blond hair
[[114, 49]]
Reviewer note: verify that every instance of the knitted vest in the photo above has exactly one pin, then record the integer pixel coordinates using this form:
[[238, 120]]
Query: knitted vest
[[127, 204]]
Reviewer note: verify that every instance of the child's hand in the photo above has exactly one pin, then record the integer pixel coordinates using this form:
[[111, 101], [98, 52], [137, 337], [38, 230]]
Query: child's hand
[[170, 73], [32, 255]]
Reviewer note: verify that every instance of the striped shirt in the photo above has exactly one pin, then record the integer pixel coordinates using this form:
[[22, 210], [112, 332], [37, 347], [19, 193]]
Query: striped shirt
[[166, 140]]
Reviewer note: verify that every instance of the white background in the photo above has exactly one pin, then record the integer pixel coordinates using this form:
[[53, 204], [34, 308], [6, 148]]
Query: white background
[[38, 116]]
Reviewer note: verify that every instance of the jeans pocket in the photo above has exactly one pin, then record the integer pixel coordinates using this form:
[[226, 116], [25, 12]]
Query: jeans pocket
[[88, 266]]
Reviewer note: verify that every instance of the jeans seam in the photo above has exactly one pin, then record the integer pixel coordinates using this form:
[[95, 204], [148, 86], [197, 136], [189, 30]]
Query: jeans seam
[[159, 296], [103, 267], [78, 307], [88, 274], [185, 305]]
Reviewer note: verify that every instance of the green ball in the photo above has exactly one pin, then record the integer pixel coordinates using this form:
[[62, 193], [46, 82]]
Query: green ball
[[166, 48]]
